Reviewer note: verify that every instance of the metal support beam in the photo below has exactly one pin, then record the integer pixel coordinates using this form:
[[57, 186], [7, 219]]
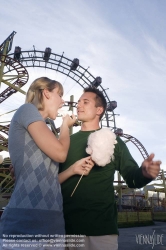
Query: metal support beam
[[71, 108], [4, 148], [164, 182], [2, 60], [14, 87]]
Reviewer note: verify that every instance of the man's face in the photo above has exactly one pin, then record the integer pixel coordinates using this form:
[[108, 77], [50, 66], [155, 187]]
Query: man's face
[[86, 108]]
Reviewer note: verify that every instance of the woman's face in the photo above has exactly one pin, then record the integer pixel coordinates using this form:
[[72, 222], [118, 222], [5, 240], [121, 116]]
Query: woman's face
[[55, 102]]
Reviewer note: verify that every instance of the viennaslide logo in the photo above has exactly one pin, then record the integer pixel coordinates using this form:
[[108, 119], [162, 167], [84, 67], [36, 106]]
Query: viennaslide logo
[[149, 239]]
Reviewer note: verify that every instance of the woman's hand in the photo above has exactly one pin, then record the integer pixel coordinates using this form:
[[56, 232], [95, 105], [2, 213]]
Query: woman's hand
[[82, 166], [69, 120]]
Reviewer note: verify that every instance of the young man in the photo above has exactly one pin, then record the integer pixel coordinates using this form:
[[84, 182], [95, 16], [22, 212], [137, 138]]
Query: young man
[[92, 211]]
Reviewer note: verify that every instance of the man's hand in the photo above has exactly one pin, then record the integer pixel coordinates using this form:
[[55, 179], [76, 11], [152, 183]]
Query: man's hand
[[11, 169], [150, 168]]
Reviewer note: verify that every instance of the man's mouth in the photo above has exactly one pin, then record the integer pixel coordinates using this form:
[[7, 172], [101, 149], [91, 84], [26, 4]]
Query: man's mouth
[[79, 113]]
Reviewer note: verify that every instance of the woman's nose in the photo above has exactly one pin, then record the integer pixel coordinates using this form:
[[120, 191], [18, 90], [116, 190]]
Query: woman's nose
[[63, 101]]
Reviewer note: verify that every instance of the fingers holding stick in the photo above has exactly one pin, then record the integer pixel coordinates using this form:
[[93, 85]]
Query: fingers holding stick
[[86, 166]]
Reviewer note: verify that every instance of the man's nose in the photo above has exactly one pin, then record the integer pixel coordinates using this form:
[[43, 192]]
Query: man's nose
[[78, 105]]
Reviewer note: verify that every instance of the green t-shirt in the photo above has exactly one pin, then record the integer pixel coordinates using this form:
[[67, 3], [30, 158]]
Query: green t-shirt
[[92, 209]]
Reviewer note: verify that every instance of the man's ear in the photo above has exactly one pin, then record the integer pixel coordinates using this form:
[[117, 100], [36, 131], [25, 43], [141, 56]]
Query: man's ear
[[46, 93], [99, 110]]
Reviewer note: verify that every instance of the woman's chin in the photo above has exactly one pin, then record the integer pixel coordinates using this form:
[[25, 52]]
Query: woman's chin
[[53, 117]]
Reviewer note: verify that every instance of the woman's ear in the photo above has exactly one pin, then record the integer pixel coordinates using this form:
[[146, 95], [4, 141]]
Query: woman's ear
[[46, 93]]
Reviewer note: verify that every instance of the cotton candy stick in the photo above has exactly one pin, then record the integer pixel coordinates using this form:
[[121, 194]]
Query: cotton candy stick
[[77, 183]]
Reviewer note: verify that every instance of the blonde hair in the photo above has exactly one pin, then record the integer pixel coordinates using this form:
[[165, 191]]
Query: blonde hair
[[34, 94]]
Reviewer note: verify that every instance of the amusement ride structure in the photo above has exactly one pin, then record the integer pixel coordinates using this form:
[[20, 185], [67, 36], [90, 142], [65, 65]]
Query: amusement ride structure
[[14, 75]]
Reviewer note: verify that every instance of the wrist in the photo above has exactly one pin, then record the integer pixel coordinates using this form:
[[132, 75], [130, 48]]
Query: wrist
[[64, 126], [71, 168]]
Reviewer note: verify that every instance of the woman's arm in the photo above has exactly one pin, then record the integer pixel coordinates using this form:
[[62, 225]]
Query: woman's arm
[[55, 149], [80, 167]]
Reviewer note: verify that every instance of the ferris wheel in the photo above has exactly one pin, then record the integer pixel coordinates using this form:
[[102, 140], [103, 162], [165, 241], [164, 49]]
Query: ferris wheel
[[14, 75]]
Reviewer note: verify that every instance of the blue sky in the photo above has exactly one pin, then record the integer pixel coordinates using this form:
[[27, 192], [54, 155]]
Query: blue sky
[[123, 41]]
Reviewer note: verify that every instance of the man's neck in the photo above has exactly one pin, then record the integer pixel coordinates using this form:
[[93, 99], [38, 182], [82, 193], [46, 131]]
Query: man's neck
[[89, 126]]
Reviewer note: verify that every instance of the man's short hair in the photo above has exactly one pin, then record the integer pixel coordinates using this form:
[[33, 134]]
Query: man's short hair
[[99, 99]]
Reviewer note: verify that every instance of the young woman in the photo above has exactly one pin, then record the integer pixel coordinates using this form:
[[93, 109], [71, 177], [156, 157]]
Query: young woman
[[35, 209]]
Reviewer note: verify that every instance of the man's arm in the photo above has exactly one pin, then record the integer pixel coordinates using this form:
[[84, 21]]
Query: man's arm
[[133, 175]]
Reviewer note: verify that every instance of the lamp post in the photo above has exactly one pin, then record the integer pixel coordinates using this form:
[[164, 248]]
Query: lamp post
[[71, 108]]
